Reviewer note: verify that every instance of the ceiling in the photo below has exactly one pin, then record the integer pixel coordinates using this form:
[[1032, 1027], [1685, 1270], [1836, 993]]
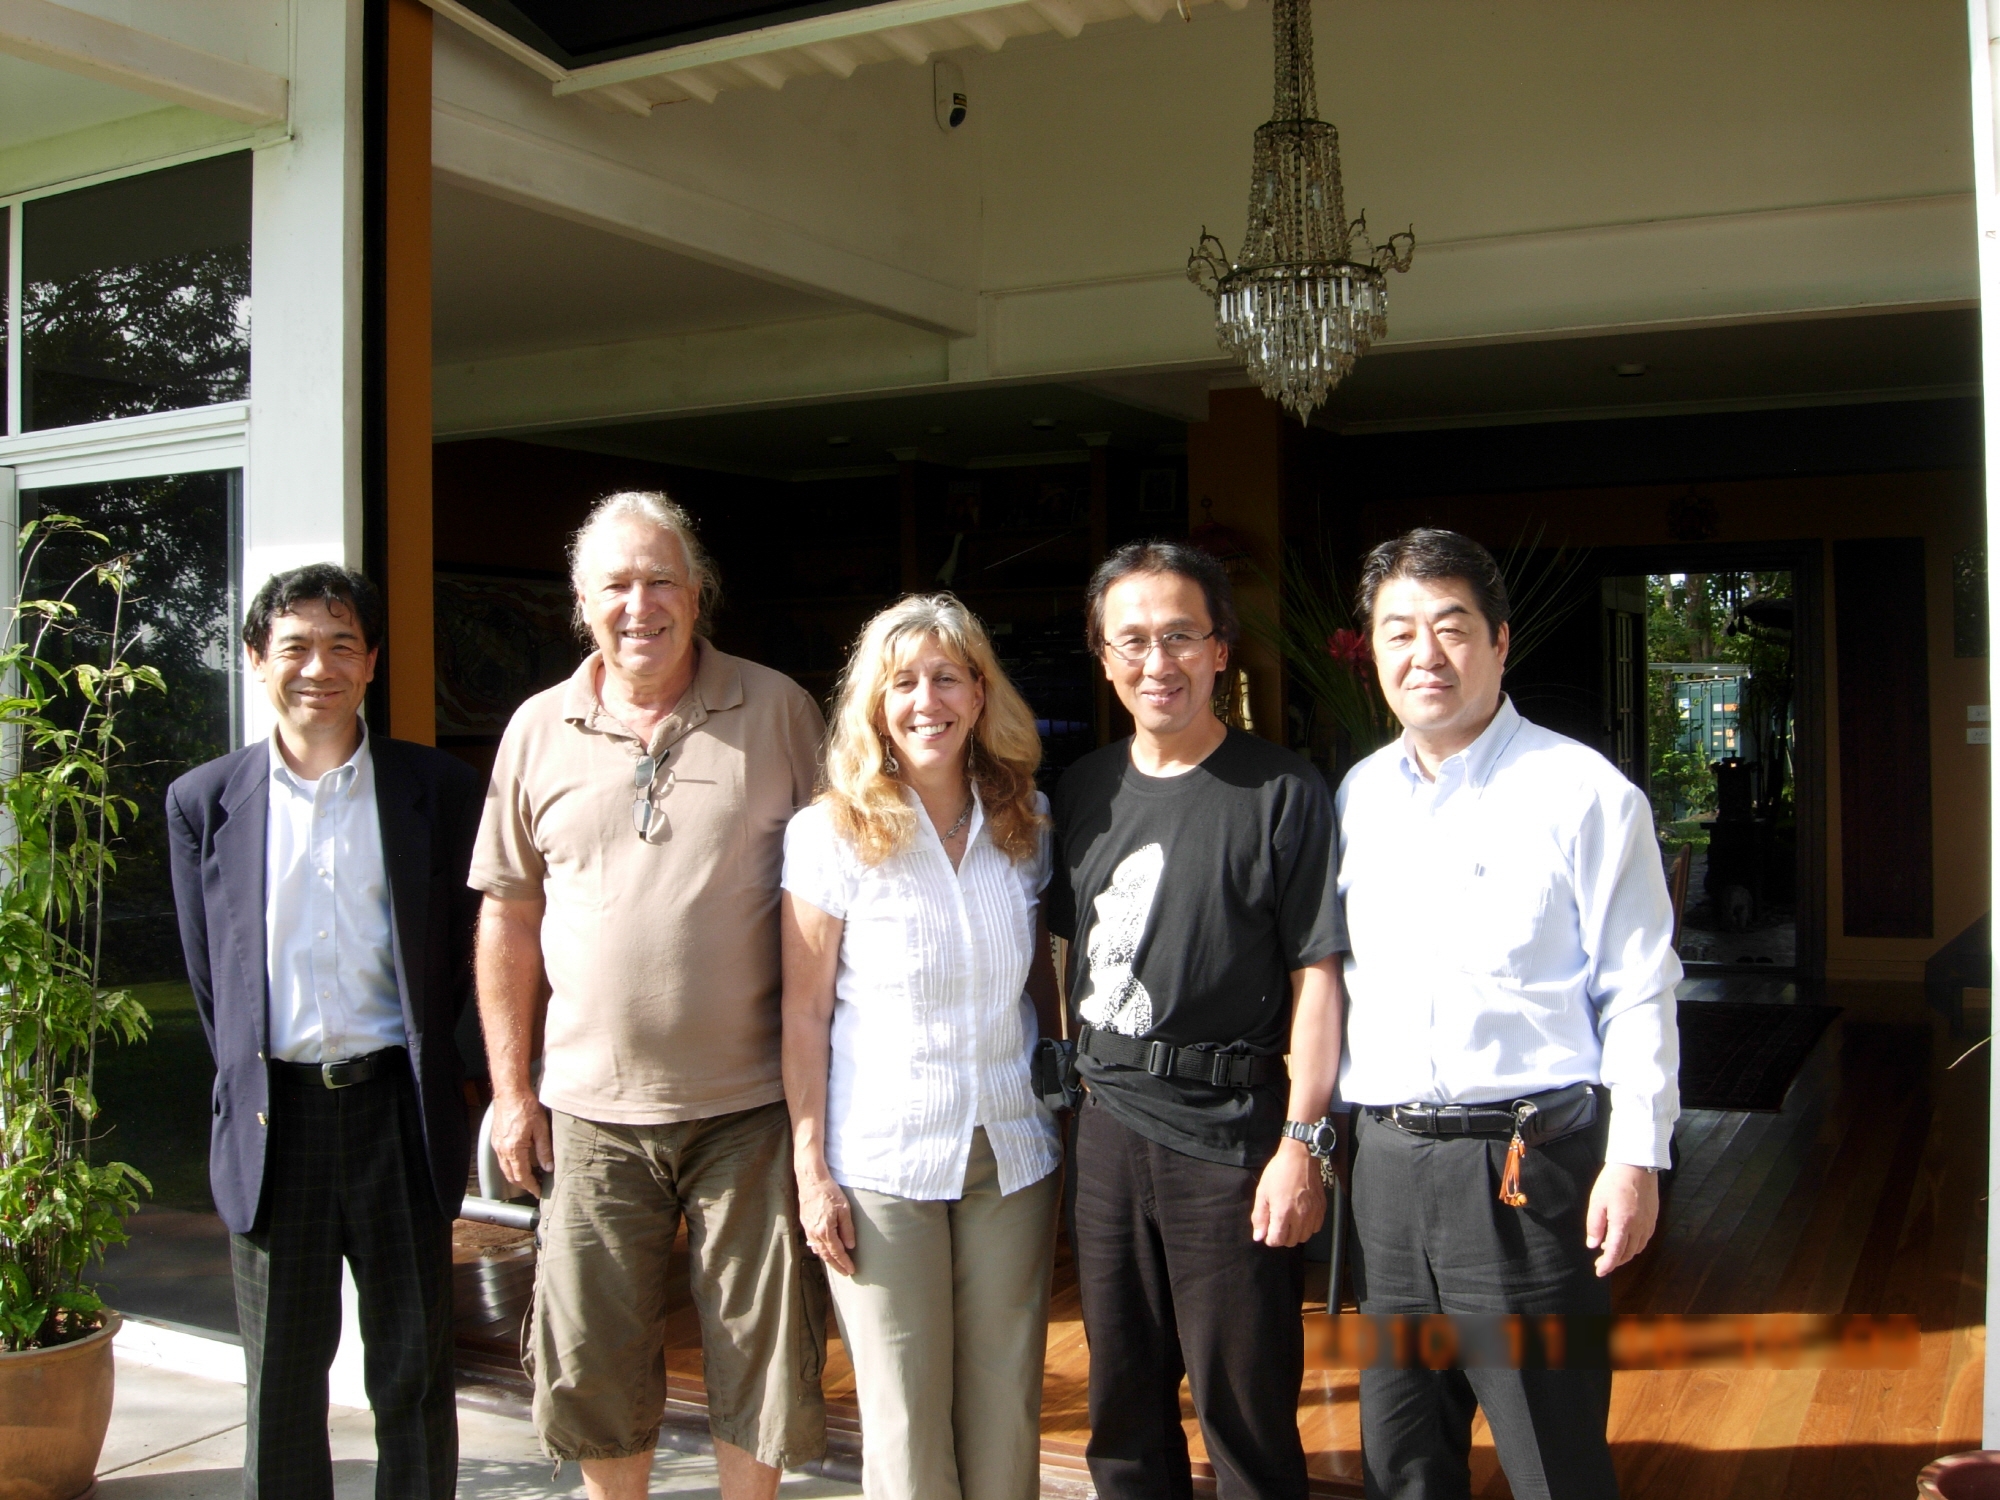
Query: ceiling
[[1020, 423], [1792, 362], [511, 280], [38, 102]]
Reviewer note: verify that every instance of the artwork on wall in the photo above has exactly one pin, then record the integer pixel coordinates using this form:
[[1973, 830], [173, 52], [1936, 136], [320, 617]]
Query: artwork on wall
[[501, 638], [1968, 602]]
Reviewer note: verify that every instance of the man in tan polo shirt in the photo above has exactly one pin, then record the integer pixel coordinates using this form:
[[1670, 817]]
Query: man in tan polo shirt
[[629, 856]]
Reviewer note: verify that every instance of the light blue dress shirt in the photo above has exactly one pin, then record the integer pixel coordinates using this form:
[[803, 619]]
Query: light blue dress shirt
[[328, 938], [1511, 933]]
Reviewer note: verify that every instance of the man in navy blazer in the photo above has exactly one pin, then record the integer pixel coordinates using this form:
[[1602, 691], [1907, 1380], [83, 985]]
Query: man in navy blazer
[[320, 880]]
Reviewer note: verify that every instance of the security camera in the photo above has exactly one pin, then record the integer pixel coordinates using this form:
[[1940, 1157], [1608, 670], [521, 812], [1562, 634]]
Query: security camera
[[948, 90]]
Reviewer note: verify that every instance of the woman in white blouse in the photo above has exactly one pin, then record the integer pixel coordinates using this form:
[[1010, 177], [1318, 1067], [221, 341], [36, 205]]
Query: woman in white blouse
[[917, 979]]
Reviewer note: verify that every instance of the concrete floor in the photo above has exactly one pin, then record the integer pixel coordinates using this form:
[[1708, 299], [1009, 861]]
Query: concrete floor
[[179, 1437]]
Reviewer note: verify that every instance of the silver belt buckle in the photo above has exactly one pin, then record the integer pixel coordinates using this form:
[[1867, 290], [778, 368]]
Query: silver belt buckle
[[327, 1074]]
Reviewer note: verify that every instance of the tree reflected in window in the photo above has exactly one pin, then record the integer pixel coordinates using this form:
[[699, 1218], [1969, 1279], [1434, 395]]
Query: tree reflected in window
[[179, 613], [136, 295]]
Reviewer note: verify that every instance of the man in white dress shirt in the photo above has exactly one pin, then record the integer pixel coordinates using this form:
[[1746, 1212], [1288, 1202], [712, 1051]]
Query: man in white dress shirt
[[319, 877], [1511, 1045]]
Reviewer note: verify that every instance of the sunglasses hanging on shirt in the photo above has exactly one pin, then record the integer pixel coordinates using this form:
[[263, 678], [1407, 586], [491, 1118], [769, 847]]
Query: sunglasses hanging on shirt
[[643, 773]]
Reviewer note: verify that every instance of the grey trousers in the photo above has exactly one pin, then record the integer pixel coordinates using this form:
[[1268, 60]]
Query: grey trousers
[[346, 1178], [1431, 1236], [946, 1320]]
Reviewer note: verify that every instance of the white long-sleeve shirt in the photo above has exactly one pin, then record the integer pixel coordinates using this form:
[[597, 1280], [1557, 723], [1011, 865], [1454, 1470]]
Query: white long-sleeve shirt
[[328, 939], [1511, 933], [932, 1026]]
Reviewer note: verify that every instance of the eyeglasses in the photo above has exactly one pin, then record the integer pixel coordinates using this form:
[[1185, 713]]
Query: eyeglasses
[[642, 783], [1178, 645]]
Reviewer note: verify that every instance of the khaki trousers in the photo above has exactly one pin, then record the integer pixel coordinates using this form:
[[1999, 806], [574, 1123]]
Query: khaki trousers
[[946, 1321]]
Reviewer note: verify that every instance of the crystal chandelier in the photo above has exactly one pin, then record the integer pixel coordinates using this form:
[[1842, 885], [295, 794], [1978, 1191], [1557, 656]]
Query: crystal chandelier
[[1299, 306]]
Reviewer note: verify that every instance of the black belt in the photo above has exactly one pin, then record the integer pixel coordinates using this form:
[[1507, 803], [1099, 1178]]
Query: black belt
[[1556, 1113], [1225, 1070], [1448, 1119], [344, 1074]]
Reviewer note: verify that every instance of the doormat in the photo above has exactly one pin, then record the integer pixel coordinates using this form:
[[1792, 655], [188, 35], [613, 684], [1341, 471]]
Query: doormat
[[1741, 1055]]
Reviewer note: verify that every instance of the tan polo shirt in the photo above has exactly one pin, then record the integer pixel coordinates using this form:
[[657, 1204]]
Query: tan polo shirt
[[662, 951]]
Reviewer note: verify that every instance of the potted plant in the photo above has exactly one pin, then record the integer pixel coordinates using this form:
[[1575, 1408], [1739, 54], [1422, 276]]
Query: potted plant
[[65, 684]]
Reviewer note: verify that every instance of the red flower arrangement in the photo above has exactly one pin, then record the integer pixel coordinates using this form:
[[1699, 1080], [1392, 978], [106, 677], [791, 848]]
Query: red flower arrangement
[[1351, 649]]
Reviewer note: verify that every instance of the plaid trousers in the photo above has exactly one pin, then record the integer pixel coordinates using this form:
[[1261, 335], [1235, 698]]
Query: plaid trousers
[[345, 1178]]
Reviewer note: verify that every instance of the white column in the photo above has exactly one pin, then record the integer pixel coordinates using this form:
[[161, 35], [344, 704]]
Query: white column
[[1985, 52], [302, 490], [302, 485]]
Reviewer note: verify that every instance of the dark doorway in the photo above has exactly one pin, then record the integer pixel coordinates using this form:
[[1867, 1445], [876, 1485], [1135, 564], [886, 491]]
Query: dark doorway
[[1720, 733], [1695, 669]]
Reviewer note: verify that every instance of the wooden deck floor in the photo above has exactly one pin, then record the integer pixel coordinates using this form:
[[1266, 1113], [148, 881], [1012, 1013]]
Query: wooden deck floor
[[1865, 1194]]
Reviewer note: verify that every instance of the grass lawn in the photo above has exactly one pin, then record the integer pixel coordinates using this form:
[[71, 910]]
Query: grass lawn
[[155, 1100]]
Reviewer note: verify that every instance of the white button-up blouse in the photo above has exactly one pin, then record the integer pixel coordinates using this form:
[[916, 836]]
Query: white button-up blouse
[[932, 1026]]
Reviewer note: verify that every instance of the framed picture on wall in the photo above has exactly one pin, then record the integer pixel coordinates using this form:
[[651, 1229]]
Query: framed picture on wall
[[501, 638]]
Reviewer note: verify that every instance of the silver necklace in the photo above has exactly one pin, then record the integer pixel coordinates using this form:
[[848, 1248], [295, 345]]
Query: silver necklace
[[952, 832]]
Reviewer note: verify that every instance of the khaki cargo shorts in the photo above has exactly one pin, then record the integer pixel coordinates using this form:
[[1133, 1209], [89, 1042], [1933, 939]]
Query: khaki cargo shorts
[[597, 1347]]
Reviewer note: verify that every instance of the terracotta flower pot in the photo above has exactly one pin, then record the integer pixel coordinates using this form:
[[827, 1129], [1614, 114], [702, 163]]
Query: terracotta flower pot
[[54, 1407], [1962, 1476]]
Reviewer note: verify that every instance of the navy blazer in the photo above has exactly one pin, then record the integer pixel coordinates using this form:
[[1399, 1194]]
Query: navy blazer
[[429, 805]]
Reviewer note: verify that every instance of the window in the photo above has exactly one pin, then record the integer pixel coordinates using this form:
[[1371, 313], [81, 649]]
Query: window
[[135, 295], [178, 613]]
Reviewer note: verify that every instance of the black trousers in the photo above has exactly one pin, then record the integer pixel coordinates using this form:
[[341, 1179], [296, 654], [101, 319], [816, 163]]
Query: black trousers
[[1172, 1284], [345, 1178], [1431, 1236]]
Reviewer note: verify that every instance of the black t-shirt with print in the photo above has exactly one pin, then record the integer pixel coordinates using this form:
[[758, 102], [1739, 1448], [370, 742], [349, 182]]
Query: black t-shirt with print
[[1189, 901]]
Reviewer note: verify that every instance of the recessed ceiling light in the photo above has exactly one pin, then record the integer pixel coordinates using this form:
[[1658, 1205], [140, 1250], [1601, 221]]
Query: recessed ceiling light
[[937, 431], [1042, 423], [838, 442], [1628, 372]]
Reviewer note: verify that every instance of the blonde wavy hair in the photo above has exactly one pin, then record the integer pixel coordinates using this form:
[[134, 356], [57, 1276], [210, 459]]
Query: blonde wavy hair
[[866, 802]]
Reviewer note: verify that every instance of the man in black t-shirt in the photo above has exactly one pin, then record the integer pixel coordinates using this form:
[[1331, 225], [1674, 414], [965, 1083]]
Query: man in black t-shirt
[[1195, 884]]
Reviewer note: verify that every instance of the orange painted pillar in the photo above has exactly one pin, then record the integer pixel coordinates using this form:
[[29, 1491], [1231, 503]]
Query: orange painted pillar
[[407, 373], [1236, 479]]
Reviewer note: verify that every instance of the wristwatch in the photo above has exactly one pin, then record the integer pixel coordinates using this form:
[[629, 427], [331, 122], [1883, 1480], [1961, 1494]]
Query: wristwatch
[[1319, 1139]]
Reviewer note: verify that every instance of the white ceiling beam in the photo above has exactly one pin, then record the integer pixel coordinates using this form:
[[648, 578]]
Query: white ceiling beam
[[1058, 14], [907, 45], [543, 174], [983, 29], [845, 355], [142, 61], [626, 100], [832, 56], [694, 83], [763, 70]]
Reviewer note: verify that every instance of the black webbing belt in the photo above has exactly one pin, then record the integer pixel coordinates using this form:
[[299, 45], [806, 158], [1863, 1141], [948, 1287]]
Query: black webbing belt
[[1226, 1070]]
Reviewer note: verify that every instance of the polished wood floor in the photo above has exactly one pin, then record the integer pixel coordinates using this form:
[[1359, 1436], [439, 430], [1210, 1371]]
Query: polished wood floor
[[1866, 1193]]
